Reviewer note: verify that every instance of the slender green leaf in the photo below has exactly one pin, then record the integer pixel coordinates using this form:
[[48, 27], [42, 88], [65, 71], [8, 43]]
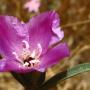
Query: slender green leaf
[[81, 68]]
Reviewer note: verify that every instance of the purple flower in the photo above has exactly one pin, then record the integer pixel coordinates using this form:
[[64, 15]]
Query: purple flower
[[26, 46]]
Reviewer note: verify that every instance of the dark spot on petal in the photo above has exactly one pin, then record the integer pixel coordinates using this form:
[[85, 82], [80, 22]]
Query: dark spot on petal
[[1, 56]]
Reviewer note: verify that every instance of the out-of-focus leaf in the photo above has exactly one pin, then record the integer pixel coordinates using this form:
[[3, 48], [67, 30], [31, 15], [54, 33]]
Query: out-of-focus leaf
[[81, 68]]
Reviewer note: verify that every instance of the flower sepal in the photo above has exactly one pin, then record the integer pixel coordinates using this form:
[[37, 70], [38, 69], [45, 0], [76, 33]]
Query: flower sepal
[[31, 81]]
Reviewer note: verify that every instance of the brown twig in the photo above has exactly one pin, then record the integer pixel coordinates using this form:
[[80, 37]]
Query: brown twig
[[75, 23]]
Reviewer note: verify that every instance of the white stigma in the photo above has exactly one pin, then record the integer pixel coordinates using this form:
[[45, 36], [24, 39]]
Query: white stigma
[[26, 64], [34, 61]]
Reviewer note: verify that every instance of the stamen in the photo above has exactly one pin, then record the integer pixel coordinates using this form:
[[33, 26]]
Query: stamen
[[33, 54], [25, 53], [26, 64], [17, 57], [14, 53], [25, 44], [34, 62], [39, 48]]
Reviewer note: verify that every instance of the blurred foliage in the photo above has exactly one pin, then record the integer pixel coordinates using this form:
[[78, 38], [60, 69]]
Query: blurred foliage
[[75, 21]]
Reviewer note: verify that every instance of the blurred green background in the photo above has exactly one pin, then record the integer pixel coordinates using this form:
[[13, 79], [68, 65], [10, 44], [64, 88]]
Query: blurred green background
[[75, 21]]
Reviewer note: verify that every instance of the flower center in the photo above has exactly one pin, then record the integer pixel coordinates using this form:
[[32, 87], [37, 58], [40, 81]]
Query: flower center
[[27, 58], [27, 62]]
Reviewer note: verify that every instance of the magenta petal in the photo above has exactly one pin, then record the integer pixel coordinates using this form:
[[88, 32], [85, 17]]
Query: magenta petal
[[54, 55], [40, 29], [9, 65], [9, 37], [2, 65], [59, 34], [18, 26]]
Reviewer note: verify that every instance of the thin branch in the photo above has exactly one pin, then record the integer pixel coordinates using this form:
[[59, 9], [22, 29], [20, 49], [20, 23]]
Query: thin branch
[[76, 23]]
